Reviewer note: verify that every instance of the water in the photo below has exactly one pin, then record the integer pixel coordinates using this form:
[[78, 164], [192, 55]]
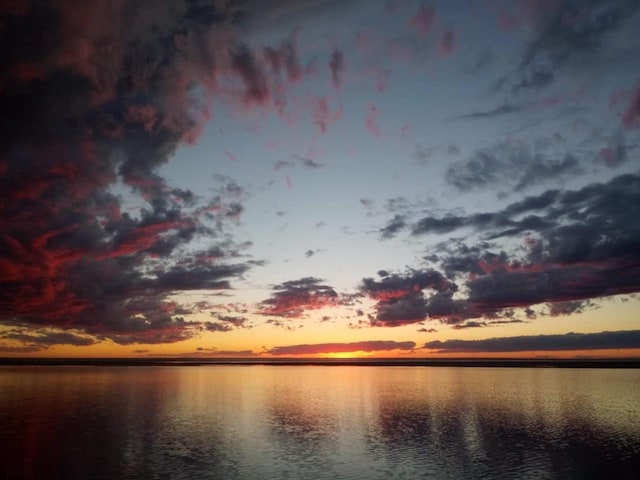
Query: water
[[318, 422]]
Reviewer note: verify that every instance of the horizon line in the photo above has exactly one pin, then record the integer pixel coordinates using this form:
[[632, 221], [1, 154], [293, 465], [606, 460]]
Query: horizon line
[[623, 362]]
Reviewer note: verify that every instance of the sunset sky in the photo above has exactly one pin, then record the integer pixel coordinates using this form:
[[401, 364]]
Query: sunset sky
[[320, 177]]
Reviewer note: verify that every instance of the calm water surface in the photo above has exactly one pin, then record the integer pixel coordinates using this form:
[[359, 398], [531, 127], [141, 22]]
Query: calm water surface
[[318, 422]]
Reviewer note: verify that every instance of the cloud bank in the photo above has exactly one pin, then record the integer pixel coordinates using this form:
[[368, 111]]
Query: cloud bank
[[626, 339]]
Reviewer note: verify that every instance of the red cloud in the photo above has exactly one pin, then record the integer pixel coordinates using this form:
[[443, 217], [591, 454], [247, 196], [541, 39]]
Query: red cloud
[[292, 298]]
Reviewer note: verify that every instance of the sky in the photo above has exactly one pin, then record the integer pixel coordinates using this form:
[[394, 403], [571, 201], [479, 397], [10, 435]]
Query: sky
[[320, 178]]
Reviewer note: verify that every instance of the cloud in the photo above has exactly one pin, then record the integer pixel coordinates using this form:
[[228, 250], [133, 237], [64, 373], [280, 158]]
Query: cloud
[[308, 162], [336, 65], [504, 109], [245, 64], [111, 106], [447, 42], [566, 35], [631, 116], [371, 120], [579, 245], [424, 20], [281, 164], [322, 115], [326, 348], [469, 324], [568, 342], [617, 151], [292, 298], [217, 327], [392, 227], [41, 340], [284, 59], [401, 299], [227, 322], [512, 165]]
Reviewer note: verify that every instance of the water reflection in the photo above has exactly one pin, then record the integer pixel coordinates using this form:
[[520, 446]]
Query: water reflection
[[259, 422]]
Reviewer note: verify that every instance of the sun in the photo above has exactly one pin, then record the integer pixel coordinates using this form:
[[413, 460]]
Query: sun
[[358, 354]]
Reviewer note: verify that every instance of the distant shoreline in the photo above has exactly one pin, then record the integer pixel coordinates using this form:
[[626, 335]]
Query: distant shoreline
[[358, 362]]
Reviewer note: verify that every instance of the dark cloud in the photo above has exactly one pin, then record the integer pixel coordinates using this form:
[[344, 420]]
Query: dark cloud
[[396, 224], [284, 59], [308, 162], [336, 65], [325, 348], [427, 330], [578, 245], [243, 61], [469, 324], [505, 322], [567, 34], [98, 94], [401, 299], [504, 109], [293, 298], [367, 202], [511, 165], [568, 308], [280, 164], [35, 341], [232, 321], [567, 342], [218, 327]]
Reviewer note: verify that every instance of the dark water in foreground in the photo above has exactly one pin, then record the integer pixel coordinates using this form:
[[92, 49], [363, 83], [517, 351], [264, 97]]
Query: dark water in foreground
[[318, 422]]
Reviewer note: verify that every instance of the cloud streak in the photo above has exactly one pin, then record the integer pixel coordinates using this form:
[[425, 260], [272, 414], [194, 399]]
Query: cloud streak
[[327, 348], [626, 339]]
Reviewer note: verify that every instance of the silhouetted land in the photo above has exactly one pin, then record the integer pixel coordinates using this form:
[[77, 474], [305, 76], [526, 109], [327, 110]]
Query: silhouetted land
[[385, 362]]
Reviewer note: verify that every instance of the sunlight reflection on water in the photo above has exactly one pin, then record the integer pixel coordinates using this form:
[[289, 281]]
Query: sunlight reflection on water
[[318, 422]]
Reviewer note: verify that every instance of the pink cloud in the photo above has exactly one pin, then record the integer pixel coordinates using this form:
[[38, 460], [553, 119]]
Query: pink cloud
[[371, 120], [382, 80], [230, 156], [631, 116], [447, 43], [424, 21], [322, 115]]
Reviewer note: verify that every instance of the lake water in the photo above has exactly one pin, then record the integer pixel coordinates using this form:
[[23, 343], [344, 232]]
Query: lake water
[[318, 422]]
